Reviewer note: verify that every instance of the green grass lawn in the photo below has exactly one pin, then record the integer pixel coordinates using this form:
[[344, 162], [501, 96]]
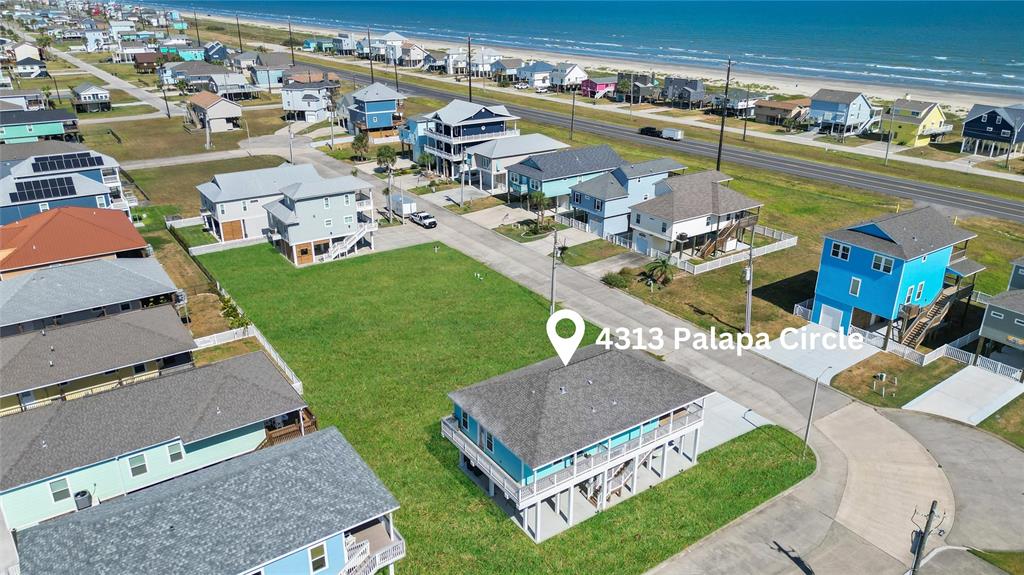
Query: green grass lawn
[[176, 185], [195, 236], [429, 189], [166, 137], [1010, 561], [1008, 422], [384, 386], [913, 380], [117, 112], [127, 72], [590, 252], [474, 205], [65, 83], [522, 232]]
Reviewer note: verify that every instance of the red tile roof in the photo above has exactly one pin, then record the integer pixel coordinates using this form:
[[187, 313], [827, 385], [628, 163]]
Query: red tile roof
[[66, 234]]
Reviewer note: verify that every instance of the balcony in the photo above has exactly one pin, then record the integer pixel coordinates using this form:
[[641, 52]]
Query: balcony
[[305, 424], [438, 152], [583, 467], [364, 205], [442, 137], [937, 130], [370, 548]]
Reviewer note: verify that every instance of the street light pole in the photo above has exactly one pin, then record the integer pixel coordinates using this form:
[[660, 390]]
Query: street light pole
[[572, 117], [469, 65], [810, 413], [56, 90], [725, 102], [554, 262], [369, 52], [923, 538]]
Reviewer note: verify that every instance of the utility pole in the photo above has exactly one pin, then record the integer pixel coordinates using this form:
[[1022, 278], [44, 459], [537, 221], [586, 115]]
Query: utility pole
[[291, 156], [469, 64], [369, 52], [167, 106], [396, 75], [554, 263], [888, 139], [462, 189], [922, 538], [195, 18], [632, 91], [748, 276], [745, 119], [810, 413], [572, 117], [725, 102], [56, 89], [291, 41], [241, 46]]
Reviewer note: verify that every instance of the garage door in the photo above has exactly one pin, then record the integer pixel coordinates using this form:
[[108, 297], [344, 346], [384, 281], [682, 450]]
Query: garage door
[[232, 230], [831, 318]]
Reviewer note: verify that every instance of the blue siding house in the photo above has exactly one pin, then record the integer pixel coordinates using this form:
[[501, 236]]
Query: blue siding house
[[842, 112], [901, 273], [994, 130], [604, 202], [375, 109], [460, 125], [555, 173], [308, 506], [561, 443]]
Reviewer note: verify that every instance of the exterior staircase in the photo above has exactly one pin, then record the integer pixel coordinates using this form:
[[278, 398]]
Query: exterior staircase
[[932, 316], [724, 234], [341, 249]]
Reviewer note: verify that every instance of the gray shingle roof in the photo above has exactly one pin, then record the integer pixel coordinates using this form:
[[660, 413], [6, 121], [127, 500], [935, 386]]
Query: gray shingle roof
[[1013, 114], [324, 187], [657, 166], [516, 146], [606, 392], [838, 96], [603, 187], [303, 86], [681, 198], [191, 405], [566, 163], [966, 267], [1012, 300], [90, 347], [68, 288], [19, 117], [256, 183], [376, 92], [274, 59], [461, 112], [228, 518], [906, 235]]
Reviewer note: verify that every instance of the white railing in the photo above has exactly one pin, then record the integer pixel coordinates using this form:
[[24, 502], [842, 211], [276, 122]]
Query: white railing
[[386, 556], [269, 349], [222, 337], [184, 222], [784, 241], [364, 204], [957, 354], [951, 350], [619, 241], [998, 368], [803, 309], [228, 245], [572, 223], [470, 138]]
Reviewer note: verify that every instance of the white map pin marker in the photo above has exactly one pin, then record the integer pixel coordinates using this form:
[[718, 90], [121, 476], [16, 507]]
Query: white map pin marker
[[565, 346]]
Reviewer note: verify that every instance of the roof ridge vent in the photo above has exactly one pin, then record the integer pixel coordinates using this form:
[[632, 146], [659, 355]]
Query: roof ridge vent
[[561, 390]]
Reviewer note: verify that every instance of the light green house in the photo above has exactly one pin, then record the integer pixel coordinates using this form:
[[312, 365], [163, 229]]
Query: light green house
[[19, 126], [69, 455]]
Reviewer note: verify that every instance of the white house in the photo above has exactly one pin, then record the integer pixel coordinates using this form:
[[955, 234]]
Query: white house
[[87, 97], [232, 204], [208, 109], [30, 68], [567, 76], [413, 55], [307, 102], [22, 50], [536, 74], [95, 40], [28, 100], [488, 161]]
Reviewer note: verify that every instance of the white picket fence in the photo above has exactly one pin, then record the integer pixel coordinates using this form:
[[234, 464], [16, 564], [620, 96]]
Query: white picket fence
[[223, 337], [572, 223], [783, 241], [184, 222], [619, 241], [804, 308]]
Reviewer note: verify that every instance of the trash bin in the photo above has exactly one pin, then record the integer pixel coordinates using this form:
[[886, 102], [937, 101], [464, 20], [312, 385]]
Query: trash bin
[[83, 500]]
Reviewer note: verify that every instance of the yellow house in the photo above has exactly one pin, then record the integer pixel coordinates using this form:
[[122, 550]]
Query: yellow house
[[914, 123]]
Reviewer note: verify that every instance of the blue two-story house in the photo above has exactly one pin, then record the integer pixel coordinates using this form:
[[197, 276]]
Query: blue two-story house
[[310, 506], [375, 109], [603, 202], [899, 273], [842, 112], [460, 125], [555, 173], [560, 443], [994, 130]]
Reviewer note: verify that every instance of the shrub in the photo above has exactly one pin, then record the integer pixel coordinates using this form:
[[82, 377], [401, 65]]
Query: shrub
[[615, 280]]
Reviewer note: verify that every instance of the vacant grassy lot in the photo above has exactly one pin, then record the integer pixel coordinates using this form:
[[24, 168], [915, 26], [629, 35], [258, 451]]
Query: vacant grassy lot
[[590, 252], [379, 367], [166, 137], [1010, 561], [176, 185], [912, 380], [1008, 422], [114, 112], [65, 83]]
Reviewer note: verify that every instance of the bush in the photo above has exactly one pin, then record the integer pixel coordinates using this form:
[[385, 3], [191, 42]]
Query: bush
[[615, 280]]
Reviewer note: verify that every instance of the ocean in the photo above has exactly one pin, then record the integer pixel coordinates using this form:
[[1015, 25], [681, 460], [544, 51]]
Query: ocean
[[952, 46]]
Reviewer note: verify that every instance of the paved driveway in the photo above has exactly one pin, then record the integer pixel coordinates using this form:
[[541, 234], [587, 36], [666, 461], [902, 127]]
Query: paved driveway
[[812, 359], [499, 215], [969, 395]]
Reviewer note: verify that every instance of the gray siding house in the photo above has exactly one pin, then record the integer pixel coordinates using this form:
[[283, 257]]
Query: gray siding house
[[322, 220], [1003, 324]]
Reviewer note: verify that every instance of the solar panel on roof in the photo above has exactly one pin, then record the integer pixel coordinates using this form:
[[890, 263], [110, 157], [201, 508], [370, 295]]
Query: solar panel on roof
[[66, 162], [34, 190]]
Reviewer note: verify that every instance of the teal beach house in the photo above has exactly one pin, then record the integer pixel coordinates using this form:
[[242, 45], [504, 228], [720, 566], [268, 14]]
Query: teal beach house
[[555, 173], [899, 274], [603, 203], [553, 444], [20, 126]]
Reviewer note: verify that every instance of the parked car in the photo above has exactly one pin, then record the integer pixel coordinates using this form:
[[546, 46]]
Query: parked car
[[424, 219], [522, 86], [672, 134], [650, 131], [542, 90]]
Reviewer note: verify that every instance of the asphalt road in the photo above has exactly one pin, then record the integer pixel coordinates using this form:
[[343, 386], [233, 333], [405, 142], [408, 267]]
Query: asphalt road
[[919, 191]]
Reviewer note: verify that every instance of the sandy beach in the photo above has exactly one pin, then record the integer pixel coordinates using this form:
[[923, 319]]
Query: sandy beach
[[958, 102]]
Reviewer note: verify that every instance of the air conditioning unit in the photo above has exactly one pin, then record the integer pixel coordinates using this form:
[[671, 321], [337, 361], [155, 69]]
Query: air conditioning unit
[[83, 500]]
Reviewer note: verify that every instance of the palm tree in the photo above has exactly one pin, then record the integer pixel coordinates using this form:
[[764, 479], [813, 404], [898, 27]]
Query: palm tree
[[361, 145], [43, 43], [386, 157], [427, 161], [182, 86], [660, 270], [537, 199]]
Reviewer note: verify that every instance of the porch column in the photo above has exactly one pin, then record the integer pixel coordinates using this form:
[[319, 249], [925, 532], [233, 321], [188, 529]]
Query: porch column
[[632, 488], [664, 457], [696, 443], [536, 520], [571, 497], [888, 334], [978, 350], [490, 486], [604, 490]]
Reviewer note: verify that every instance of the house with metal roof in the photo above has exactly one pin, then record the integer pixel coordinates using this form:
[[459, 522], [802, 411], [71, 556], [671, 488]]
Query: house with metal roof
[[1002, 326], [60, 363], [901, 274], [71, 455], [694, 215], [489, 161], [556, 443], [536, 74], [914, 123], [603, 203], [17, 126], [842, 112], [322, 220], [994, 130], [66, 294], [375, 109], [87, 97], [567, 76], [311, 505], [459, 125], [232, 204], [554, 174], [308, 101]]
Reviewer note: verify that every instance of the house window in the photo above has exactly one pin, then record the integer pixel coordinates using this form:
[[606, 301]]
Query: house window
[[328, 222], [327, 203], [317, 558], [881, 264], [59, 490], [465, 420], [174, 452], [997, 315], [924, 259], [534, 184], [576, 197], [489, 441], [841, 251], [514, 178], [1005, 133], [137, 465], [1019, 321], [855, 287], [984, 119], [138, 368], [44, 206], [126, 306], [920, 290], [245, 208], [101, 202], [347, 199], [598, 204], [222, 209], [637, 220], [910, 295], [999, 120], [349, 220]]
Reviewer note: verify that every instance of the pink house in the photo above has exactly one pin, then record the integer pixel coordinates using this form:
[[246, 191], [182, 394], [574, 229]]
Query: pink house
[[598, 87]]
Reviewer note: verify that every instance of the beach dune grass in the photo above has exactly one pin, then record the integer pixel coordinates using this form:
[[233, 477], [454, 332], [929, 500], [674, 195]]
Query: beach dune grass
[[380, 340]]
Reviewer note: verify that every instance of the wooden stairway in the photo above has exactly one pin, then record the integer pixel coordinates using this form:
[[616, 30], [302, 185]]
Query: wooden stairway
[[930, 317], [724, 234]]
